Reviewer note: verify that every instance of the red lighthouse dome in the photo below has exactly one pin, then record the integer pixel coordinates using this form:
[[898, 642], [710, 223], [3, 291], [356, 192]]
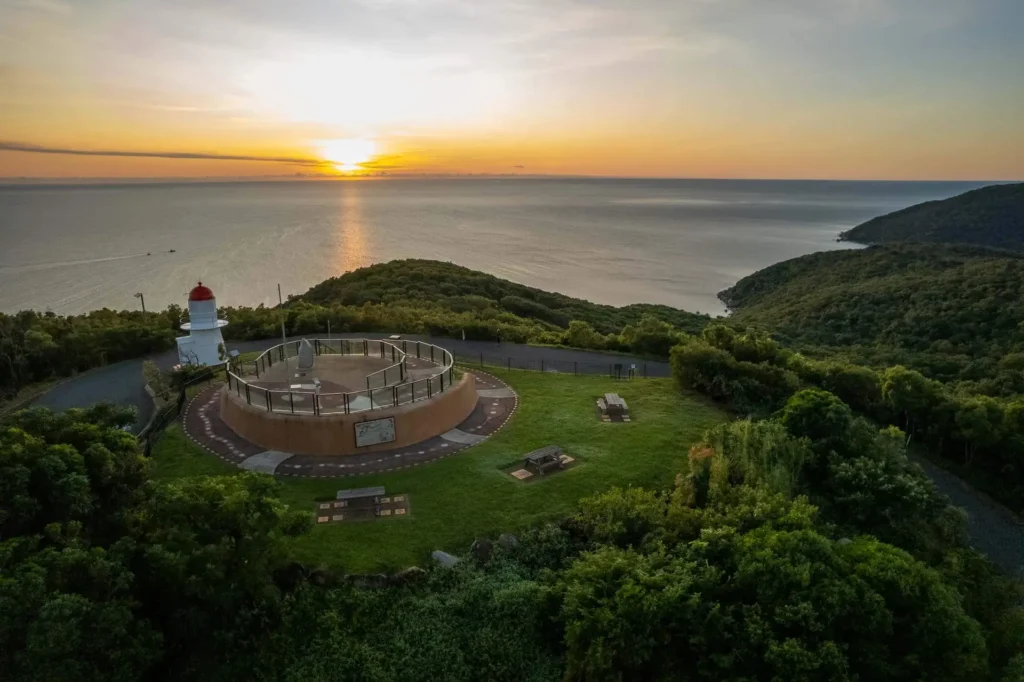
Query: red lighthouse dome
[[200, 293]]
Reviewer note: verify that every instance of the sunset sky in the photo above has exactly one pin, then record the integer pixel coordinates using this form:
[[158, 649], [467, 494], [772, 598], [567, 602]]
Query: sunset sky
[[886, 89]]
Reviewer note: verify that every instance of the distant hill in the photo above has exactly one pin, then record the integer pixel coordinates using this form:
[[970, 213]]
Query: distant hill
[[954, 312], [991, 216], [458, 289]]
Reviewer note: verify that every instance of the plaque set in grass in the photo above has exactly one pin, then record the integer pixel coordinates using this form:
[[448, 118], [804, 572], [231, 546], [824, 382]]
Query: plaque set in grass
[[362, 504]]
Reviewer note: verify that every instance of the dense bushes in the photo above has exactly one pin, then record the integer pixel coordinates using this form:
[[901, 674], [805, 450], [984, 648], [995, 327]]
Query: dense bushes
[[979, 432], [106, 576]]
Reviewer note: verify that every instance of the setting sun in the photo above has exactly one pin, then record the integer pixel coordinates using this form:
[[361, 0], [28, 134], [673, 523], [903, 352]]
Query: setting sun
[[349, 154]]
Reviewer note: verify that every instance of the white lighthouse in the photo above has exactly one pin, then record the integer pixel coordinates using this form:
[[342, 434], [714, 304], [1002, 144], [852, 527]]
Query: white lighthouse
[[204, 344]]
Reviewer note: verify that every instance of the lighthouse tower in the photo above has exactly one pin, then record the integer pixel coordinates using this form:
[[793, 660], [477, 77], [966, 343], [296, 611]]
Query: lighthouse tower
[[204, 344]]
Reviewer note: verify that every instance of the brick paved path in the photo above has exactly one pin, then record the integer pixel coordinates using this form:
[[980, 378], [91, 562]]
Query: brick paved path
[[202, 423]]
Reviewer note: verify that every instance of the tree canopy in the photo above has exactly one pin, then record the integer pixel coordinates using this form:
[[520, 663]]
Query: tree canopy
[[990, 216]]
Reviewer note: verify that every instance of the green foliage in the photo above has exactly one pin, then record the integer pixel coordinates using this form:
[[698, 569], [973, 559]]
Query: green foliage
[[817, 415], [36, 346], [748, 386], [619, 517], [457, 625], [950, 312], [427, 284], [982, 432], [104, 575], [764, 604], [991, 216]]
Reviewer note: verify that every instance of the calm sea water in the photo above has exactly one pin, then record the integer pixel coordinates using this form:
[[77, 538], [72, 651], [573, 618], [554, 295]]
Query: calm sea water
[[71, 249]]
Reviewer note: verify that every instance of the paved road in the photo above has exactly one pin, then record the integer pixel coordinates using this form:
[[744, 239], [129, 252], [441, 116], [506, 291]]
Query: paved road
[[992, 530], [119, 383]]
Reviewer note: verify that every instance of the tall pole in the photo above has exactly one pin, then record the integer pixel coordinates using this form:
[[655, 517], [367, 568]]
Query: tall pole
[[280, 304], [143, 299]]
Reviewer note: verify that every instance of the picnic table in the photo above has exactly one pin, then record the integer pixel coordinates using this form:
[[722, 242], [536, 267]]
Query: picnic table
[[543, 459], [612, 403]]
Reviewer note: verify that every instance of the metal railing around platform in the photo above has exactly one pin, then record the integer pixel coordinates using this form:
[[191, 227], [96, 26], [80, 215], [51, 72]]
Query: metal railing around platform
[[388, 387]]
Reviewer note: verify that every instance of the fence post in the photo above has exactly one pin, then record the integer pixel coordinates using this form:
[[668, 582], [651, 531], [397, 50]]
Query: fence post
[[575, 368], [542, 364], [291, 399], [645, 370], [344, 402], [248, 399], [481, 359], [394, 391], [510, 363], [441, 379], [431, 352], [417, 350], [258, 369], [270, 403], [316, 404]]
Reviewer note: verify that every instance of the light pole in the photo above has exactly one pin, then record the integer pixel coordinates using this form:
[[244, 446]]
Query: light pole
[[143, 299]]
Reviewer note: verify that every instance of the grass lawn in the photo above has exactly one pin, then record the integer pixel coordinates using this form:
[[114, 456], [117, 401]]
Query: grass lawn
[[469, 495]]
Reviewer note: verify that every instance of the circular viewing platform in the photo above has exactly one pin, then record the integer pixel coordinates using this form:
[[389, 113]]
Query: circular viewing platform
[[346, 396]]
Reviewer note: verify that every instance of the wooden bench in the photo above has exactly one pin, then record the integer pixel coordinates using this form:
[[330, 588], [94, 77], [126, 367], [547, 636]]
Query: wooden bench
[[356, 493], [548, 457]]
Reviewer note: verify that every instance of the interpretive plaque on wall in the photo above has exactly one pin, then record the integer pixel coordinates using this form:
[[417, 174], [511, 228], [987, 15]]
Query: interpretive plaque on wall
[[375, 432]]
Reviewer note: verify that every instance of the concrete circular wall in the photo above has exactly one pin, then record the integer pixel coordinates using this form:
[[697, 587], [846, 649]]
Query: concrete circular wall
[[335, 434]]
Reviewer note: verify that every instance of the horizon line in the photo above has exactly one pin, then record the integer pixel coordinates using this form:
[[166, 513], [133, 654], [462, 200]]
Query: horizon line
[[10, 181]]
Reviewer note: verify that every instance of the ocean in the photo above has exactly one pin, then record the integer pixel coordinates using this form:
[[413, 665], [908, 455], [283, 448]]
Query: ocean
[[75, 248]]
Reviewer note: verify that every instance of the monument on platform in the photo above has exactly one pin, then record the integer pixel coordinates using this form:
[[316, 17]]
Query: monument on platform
[[204, 344], [306, 356]]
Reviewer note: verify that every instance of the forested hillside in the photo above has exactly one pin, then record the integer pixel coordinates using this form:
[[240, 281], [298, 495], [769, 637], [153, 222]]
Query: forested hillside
[[427, 283], [952, 312], [990, 216]]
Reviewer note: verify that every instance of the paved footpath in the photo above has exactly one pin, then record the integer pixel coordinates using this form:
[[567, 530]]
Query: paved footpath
[[202, 423]]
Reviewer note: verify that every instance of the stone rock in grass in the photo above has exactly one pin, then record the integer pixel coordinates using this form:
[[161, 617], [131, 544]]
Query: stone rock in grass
[[408, 575], [444, 558], [508, 541], [481, 549]]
